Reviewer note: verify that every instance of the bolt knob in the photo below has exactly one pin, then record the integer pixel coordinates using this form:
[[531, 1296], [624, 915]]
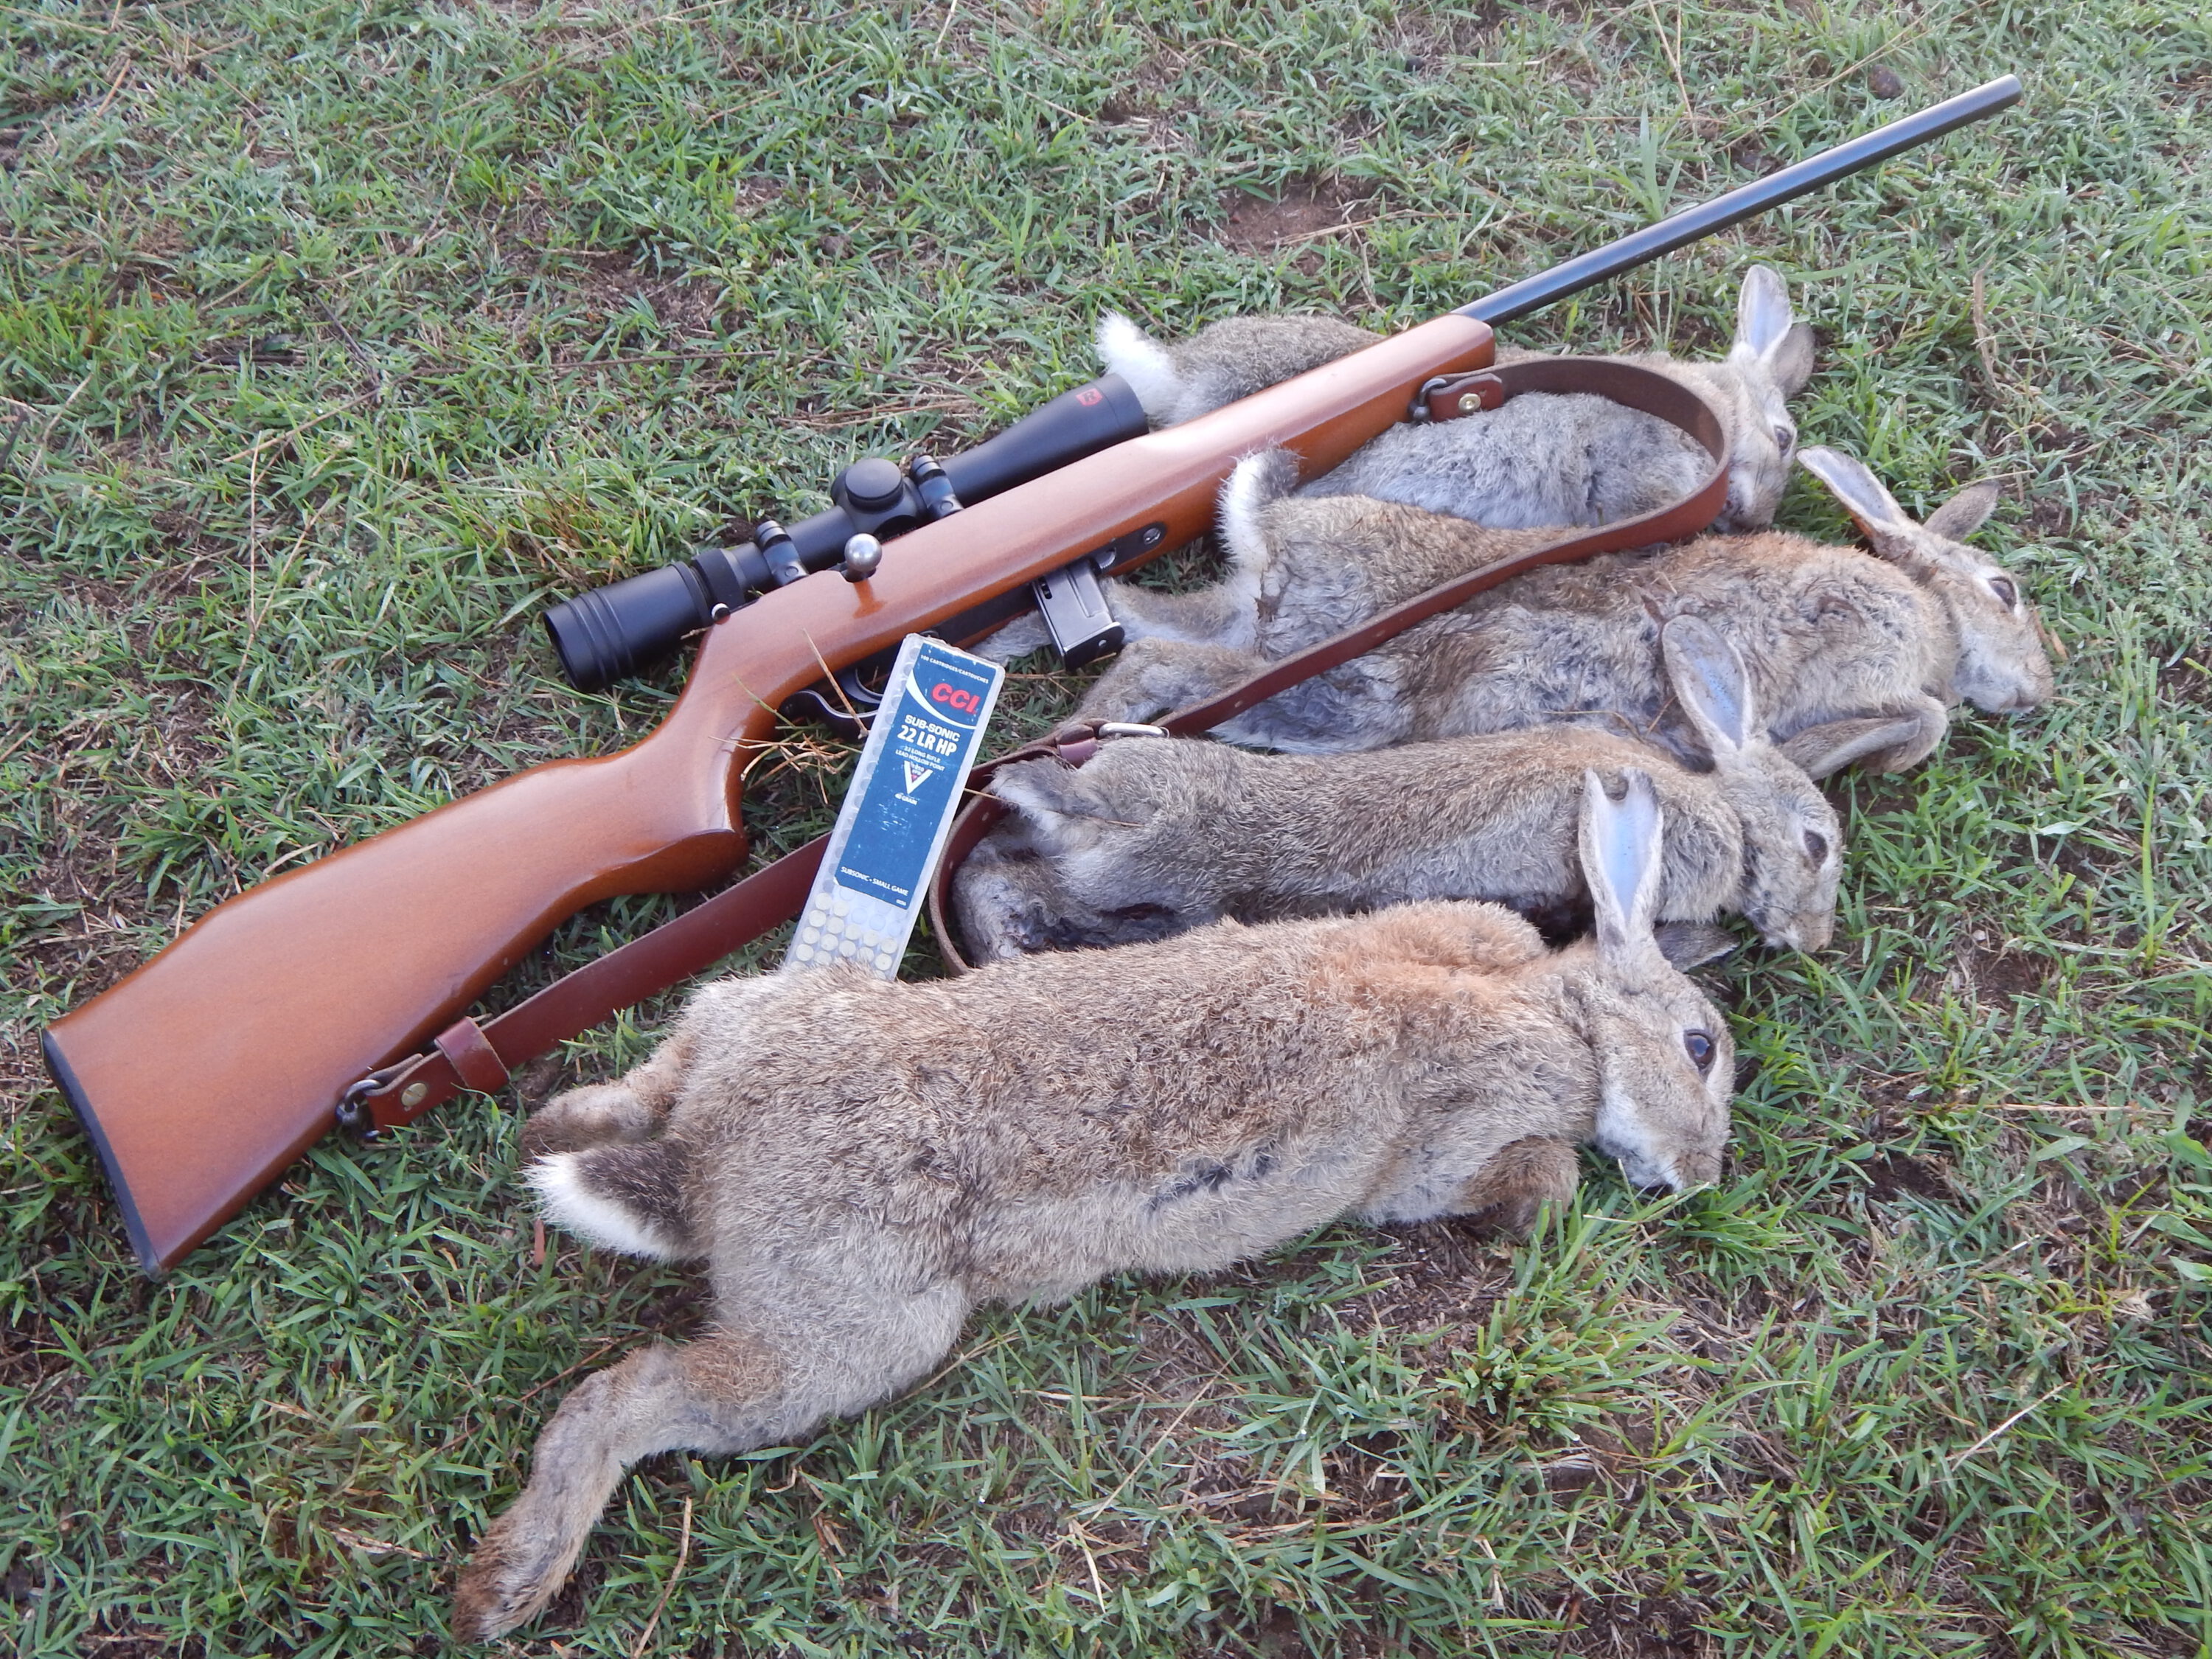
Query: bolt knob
[[863, 553]]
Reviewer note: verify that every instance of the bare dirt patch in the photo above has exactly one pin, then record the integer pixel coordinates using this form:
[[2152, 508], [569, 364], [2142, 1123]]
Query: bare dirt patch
[[1432, 40], [2057, 439], [1637, 1627], [1306, 210], [1996, 974], [1147, 100], [530, 240], [1276, 1637], [1893, 1175], [29, 1353], [1442, 1276], [1162, 127], [136, 1642], [2049, 515], [2194, 87], [2188, 681], [99, 597], [612, 282]]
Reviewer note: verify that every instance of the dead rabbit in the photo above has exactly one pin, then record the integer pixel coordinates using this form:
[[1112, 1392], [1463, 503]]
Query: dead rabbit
[[858, 1165]]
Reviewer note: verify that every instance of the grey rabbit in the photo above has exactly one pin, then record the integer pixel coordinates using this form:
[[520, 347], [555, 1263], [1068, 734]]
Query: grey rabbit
[[1539, 459], [859, 1164], [1851, 658], [1153, 837]]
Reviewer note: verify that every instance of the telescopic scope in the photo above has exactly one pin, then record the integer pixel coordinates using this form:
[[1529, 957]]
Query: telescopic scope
[[612, 631]]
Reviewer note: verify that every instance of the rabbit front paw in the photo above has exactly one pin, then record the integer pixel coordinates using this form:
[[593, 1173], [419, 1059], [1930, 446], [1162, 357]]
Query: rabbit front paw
[[1510, 1194]]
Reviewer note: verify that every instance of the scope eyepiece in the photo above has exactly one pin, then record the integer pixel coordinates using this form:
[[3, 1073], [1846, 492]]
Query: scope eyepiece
[[608, 633]]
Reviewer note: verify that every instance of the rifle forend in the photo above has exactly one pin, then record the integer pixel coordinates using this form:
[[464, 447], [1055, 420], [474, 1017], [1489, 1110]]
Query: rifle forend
[[205, 1072]]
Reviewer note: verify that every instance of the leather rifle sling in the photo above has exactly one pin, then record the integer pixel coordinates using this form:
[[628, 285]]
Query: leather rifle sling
[[469, 1055]]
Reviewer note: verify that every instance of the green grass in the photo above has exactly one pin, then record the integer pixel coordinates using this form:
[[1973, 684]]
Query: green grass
[[337, 339]]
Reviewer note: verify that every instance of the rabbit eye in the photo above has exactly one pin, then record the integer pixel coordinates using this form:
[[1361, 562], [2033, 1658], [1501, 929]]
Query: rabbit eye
[[1816, 846], [1700, 1046], [1785, 436], [2005, 591]]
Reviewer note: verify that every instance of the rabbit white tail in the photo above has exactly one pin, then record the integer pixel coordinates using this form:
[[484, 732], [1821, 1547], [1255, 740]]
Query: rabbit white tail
[[624, 1198], [1144, 362], [1258, 483]]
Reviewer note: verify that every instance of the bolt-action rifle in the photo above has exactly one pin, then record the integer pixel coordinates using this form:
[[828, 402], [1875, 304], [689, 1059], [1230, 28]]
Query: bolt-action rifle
[[215, 1064]]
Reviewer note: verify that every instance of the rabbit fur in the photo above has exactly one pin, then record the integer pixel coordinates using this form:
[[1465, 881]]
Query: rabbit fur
[[859, 1164], [1851, 658], [1541, 458], [1156, 836]]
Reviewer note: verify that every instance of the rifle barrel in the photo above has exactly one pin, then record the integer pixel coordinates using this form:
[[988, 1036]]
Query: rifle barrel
[[1810, 174]]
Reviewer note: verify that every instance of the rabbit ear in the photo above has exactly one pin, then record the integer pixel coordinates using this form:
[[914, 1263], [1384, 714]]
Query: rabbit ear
[[1044, 789], [1710, 682], [1790, 360], [1765, 332], [1962, 515], [1688, 945], [1872, 508], [1621, 848], [1762, 311], [1820, 749], [1859, 492]]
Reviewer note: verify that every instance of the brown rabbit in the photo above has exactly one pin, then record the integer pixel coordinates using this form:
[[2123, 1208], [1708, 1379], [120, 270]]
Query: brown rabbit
[[859, 1164], [1833, 638], [1544, 459], [1155, 836]]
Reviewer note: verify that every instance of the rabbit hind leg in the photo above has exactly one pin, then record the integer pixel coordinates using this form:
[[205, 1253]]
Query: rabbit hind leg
[[1888, 742], [1225, 614], [731, 1392], [631, 1109], [721, 1393], [1152, 677]]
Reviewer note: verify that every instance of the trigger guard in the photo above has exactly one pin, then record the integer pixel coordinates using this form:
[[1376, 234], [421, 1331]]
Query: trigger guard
[[817, 704]]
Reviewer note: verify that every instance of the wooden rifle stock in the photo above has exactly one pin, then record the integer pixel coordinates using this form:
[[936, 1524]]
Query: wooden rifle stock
[[209, 1069]]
